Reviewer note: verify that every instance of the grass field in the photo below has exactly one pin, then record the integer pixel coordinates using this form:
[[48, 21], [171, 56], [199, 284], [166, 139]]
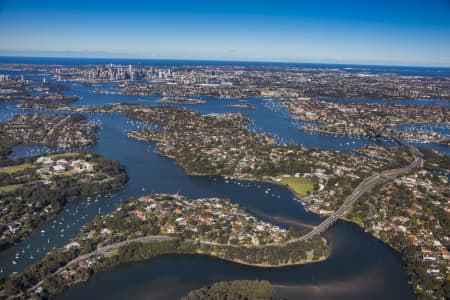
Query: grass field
[[9, 188], [14, 169], [300, 186], [64, 155]]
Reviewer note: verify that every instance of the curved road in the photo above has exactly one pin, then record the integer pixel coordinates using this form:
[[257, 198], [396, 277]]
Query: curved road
[[104, 250], [365, 186]]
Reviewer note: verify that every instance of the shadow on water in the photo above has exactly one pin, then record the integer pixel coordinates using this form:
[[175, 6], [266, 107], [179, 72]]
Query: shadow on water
[[358, 268], [359, 265], [149, 173]]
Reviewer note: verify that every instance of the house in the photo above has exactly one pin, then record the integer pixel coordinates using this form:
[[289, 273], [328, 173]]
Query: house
[[139, 214], [44, 160], [168, 229], [320, 173], [255, 241], [72, 245], [80, 165], [105, 231], [59, 168], [180, 221], [62, 161], [44, 171]]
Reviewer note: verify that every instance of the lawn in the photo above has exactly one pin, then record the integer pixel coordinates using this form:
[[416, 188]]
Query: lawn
[[9, 188], [14, 169], [301, 186], [64, 155]]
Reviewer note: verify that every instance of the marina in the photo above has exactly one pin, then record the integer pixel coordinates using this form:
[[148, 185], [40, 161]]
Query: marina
[[152, 173]]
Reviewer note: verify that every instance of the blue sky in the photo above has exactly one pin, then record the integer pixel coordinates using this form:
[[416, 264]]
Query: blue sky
[[347, 31]]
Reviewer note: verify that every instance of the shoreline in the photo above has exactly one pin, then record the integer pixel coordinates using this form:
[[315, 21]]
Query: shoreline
[[344, 218], [179, 100], [273, 266], [149, 240], [249, 179], [199, 253], [76, 196]]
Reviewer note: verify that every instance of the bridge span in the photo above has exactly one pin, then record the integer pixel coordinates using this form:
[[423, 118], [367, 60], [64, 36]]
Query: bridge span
[[366, 185]]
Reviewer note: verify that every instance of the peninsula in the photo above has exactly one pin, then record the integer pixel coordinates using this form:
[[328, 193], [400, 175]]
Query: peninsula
[[160, 224], [58, 131], [220, 144], [35, 189], [181, 100]]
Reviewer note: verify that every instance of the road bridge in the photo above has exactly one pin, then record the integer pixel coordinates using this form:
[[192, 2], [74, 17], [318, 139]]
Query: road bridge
[[366, 185]]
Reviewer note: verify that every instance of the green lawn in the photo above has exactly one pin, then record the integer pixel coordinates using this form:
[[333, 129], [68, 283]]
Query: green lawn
[[14, 169], [9, 188], [301, 186], [64, 155]]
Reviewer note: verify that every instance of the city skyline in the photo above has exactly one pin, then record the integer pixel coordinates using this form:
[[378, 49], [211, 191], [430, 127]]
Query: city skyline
[[349, 32]]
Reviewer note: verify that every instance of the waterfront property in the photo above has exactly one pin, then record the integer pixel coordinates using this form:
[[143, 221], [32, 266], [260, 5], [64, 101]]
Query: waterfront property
[[333, 175], [34, 191], [160, 224]]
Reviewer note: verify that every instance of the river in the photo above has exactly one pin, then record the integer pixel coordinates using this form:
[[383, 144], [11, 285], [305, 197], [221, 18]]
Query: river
[[359, 266]]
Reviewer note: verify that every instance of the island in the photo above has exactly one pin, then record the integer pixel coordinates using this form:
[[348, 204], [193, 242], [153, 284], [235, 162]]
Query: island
[[181, 100], [221, 144], [161, 224], [242, 105], [106, 92], [325, 180], [407, 207], [236, 289]]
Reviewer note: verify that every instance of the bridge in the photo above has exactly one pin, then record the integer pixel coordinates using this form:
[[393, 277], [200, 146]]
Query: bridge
[[366, 185]]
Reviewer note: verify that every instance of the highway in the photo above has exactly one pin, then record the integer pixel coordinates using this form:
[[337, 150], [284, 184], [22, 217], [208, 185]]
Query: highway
[[365, 186], [103, 251]]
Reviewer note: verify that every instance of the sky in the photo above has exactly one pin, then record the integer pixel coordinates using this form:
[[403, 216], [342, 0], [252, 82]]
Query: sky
[[386, 32]]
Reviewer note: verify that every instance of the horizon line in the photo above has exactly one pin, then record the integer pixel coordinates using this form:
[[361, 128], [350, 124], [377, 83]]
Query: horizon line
[[229, 60]]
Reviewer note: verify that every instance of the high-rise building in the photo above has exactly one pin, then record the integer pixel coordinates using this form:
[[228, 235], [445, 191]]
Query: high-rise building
[[130, 71]]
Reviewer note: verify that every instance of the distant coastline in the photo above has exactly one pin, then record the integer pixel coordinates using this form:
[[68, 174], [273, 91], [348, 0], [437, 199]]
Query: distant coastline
[[349, 67]]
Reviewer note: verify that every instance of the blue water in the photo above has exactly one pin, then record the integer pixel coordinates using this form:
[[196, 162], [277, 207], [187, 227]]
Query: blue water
[[372, 69], [268, 117], [359, 266], [27, 150]]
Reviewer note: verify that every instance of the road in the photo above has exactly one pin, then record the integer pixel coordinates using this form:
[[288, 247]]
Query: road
[[60, 123], [365, 186], [106, 249]]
